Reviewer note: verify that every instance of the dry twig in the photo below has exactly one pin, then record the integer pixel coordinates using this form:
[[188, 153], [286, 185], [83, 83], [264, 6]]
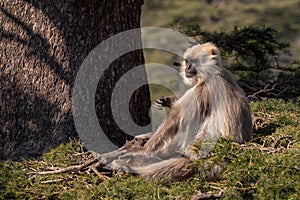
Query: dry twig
[[52, 181], [207, 195], [90, 165]]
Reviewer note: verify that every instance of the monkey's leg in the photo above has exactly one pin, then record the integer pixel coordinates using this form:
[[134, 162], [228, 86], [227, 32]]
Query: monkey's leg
[[165, 101], [180, 168]]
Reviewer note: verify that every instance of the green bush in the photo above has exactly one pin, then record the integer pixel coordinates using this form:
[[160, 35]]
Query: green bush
[[248, 48]]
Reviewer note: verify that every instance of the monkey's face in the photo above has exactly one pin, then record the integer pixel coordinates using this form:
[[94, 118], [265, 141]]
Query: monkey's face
[[200, 63]]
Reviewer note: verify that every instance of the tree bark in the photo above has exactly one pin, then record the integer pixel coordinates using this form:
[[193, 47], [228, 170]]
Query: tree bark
[[42, 45]]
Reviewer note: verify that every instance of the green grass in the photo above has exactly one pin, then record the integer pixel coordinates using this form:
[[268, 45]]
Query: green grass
[[253, 171]]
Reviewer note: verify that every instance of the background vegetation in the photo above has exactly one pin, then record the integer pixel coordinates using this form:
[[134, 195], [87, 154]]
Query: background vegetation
[[224, 15]]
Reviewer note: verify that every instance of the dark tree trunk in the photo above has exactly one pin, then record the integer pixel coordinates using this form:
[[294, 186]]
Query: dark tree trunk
[[42, 45]]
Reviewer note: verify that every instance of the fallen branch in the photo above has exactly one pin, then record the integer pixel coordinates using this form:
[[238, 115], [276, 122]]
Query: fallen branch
[[264, 90], [70, 168], [255, 90]]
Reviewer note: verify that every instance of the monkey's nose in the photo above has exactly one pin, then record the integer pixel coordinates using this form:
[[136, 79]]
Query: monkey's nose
[[190, 71]]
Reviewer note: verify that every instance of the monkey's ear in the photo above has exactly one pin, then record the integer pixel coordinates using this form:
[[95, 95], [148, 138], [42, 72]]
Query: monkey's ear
[[214, 51]]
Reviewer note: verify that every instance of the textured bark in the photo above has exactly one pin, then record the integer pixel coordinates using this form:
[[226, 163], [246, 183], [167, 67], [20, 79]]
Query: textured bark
[[42, 45]]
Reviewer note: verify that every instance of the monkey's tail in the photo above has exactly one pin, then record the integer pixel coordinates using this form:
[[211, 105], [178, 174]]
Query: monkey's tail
[[174, 168], [178, 169]]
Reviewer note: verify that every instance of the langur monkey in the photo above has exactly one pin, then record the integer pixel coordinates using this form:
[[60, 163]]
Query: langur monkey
[[215, 106]]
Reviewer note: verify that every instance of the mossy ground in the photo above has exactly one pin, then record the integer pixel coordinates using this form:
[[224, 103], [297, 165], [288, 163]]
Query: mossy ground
[[267, 168]]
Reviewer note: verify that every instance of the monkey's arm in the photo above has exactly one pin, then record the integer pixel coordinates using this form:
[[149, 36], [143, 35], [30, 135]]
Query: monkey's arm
[[165, 101], [162, 137]]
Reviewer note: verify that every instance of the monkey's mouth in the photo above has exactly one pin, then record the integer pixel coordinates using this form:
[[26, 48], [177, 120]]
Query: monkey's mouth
[[190, 75]]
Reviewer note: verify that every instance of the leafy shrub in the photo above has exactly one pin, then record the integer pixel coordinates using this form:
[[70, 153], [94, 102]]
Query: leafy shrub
[[248, 48]]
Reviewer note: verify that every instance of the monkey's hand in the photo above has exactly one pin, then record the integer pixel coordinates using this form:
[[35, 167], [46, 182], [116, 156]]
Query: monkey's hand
[[164, 101]]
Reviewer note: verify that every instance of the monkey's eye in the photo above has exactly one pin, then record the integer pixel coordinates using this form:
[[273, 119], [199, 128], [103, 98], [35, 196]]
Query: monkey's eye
[[177, 64]]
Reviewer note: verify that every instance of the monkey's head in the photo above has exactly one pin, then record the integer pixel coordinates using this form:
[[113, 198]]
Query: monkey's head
[[200, 62]]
